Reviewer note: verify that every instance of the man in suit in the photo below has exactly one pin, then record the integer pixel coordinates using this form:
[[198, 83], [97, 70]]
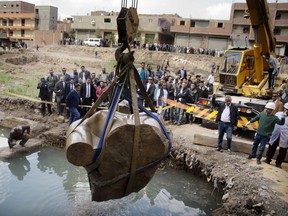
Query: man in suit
[[65, 75], [88, 95], [52, 80], [60, 91], [227, 117], [72, 103], [150, 89], [84, 75], [182, 95], [44, 94], [112, 75]]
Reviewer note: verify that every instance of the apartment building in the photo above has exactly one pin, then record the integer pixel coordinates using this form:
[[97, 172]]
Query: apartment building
[[279, 23], [196, 33], [47, 17], [24, 22], [18, 21]]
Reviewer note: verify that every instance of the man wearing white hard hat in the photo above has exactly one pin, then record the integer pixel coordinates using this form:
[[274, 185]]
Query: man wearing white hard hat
[[279, 138], [267, 121]]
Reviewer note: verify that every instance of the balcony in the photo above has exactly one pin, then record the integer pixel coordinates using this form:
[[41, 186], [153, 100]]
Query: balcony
[[20, 16], [19, 37], [281, 23], [18, 27], [281, 38], [180, 28], [241, 21]]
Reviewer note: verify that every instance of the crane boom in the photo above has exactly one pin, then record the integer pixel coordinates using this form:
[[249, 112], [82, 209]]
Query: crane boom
[[260, 21]]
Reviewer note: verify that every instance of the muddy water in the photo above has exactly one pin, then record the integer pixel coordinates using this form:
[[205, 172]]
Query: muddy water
[[44, 183]]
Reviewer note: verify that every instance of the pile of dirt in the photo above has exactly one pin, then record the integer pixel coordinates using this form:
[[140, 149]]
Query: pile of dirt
[[22, 60]]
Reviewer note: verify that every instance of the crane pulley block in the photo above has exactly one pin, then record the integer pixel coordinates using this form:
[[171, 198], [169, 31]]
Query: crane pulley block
[[127, 24]]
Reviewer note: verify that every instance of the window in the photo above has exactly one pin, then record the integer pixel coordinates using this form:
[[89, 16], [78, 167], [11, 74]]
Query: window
[[192, 24], [278, 16], [220, 25], [277, 31], [12, 5], [4, 5], [17, 5], [22, 33], [22, 22], [10, 33], [246, 30], [182, 22], [107, 20], [10, 22], [4, 22], [37, 11], [150, 20], [248, 63]]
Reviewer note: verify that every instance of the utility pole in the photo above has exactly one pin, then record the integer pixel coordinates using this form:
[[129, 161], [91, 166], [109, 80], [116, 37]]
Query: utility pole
[[189, 31]]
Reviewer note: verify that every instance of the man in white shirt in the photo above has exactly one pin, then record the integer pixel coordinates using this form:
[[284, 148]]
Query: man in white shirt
[[227, 117]]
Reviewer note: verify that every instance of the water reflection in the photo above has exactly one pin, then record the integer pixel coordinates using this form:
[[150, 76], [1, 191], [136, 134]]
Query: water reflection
[[4, 133], [53, 161], [19, 167], [52, 186]]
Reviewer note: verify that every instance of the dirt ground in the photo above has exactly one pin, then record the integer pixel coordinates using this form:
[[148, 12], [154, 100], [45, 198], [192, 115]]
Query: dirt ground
[[247, 189]]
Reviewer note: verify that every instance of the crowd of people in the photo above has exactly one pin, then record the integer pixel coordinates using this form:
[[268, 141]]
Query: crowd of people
[[160, 84]]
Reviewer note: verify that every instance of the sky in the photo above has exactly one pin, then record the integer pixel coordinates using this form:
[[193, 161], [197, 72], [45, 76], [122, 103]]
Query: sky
[[195, 9]]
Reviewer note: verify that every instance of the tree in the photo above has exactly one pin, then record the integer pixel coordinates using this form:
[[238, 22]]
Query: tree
[[98, 33], [138, 34]]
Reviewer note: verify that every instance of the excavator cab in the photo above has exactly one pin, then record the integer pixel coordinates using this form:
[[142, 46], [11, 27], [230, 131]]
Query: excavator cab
[[237, 73]]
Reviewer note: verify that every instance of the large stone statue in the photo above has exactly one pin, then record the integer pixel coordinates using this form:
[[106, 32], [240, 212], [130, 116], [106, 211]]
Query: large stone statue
[[110, 173]]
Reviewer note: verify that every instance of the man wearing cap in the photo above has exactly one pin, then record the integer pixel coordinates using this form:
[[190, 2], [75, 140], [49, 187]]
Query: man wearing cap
[[273, 70], [279, 138], [72, 103], [18, 133], [267, 121]]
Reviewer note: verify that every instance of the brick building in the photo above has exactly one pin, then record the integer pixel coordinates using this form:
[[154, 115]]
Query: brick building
[[217, 34]]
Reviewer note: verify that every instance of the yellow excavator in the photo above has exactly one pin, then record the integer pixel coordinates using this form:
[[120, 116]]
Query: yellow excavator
[[245, 71]]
